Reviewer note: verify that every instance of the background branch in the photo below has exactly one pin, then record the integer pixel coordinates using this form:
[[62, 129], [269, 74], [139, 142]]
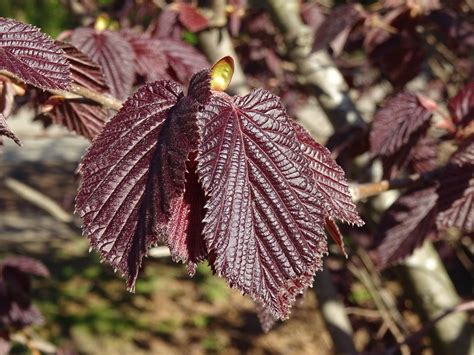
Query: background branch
[[316, 70]]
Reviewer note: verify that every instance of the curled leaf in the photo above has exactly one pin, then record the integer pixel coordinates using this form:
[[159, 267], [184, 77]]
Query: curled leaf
[[221, 74]]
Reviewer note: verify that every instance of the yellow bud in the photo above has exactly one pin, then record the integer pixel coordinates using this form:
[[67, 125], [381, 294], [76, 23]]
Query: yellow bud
[[102, 22], [221, 74]]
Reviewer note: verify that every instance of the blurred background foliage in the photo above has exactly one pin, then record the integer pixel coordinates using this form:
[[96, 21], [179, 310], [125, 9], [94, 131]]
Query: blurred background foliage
[[50, 15]]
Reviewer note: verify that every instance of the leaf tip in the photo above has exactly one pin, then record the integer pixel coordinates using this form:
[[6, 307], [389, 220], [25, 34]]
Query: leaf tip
[[221, 74]]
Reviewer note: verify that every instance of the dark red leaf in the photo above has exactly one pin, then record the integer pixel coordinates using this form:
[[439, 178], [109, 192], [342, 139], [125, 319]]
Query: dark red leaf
[[339, 21], [82, 118], [333, 230], [399, 58], [32, 56], [456, 190], [456, 30], [150, 61], [414, 154], [84, 71], [423, 155], [168, 25], [330, 180], [183, 59], [25, 265], [86, 119], [191, 18], [16, 309], [464, 155], [406, 224], [457, 199], [400, 117], [185, 227], [15, 313], [461, 106], [5, 131], [134, 173], [112, 52], [263, 224]]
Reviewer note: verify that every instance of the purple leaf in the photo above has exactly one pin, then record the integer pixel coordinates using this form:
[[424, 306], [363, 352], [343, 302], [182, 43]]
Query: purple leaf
[[423, 155], [150, 61], [81, 118], [401, 117], [32, 56], [456, 190], [84, 71], [183, 59], [413, 154], [329, 178], [185, 227], [134, 172], [86, 119], [168, 25], [16, 309], [333, 230], [406, 224], [263, 224], [24, 265], [399, 58], [461, 106], [457, 199], [191, 18], [5, 131], [339, 22], [464, 155], [112, 53]]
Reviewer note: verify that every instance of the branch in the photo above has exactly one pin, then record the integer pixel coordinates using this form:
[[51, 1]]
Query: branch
[[76, 91], [334, 312], [39, 199], [416, 337], [316, 70], [362, 191], [427, 282], [216, 43], [106, 101]]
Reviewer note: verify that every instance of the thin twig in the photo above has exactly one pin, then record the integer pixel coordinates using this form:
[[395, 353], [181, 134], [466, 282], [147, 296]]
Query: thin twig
[[362, 191], [106, 101], [39, 200], [76, 91], [415, 337], [386, 307]]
